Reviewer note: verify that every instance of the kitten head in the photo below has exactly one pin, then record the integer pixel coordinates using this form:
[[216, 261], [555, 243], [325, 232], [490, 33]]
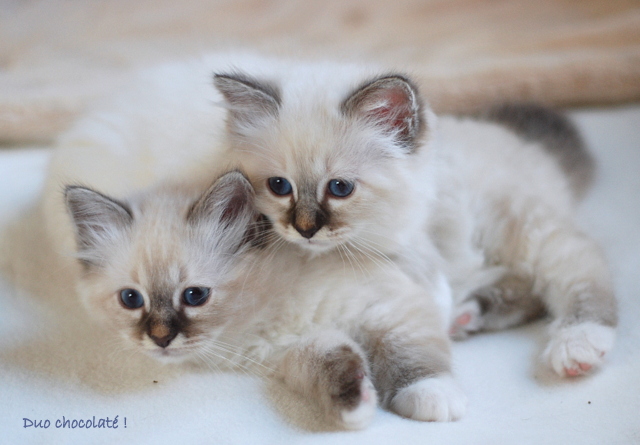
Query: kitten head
[[156, 267], [330, 169]]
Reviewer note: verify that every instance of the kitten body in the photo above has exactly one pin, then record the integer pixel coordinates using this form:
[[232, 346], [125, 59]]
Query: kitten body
[[489, 201], [512, 205], [346, 334], [357, 279]]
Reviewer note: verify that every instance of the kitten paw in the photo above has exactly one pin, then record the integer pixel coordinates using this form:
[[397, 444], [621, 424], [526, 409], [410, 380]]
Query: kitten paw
[[361, 415], [435, 399], [352, 393], [467, 320], [575, 350]]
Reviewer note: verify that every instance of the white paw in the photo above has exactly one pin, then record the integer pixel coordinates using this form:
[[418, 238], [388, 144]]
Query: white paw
[[575, 350], [467, 319], [362, 415], [435, 399]]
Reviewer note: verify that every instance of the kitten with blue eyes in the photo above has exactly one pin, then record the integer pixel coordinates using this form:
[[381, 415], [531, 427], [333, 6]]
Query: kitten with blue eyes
[[349, 337], [147, 263], [185, 275], [371, 207], [354, 165]]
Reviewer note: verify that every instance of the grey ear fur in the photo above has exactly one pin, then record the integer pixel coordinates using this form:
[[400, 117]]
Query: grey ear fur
[[229, 200], [96, 216], [391, 102], [249, 100]]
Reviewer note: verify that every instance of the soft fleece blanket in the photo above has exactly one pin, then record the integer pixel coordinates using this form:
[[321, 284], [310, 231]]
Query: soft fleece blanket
[[63, 380]]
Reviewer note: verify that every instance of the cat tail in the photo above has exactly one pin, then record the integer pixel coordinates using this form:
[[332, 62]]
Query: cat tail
[[557, 133]]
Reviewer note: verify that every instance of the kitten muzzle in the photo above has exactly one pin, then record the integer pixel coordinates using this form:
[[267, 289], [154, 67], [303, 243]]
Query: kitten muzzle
[[308, 221]]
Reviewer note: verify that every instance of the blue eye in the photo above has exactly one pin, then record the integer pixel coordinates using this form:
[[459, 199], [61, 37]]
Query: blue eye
[[340, 188], [196, 296], [280, 186], [131, 298]]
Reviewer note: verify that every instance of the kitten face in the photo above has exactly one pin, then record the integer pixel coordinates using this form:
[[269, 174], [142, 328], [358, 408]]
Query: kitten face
[[157, 268], [327, 175]]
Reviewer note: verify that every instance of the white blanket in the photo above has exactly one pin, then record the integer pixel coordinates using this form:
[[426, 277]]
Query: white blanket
[[57, 366]]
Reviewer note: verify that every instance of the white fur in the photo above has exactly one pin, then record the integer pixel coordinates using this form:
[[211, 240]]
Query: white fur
[[434, 399], [574, 348], [447, 210], [360, 417]]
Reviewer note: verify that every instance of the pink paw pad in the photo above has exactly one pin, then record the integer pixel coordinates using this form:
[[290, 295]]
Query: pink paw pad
[[463, 319], [572, 372]]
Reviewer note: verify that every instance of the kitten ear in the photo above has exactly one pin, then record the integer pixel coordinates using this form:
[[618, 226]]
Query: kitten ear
[[392, 103], [230, 200], [248, 99], [96, 216]]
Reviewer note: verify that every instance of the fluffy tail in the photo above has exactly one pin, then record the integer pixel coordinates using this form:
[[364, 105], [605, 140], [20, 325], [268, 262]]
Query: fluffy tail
[[557, 134]]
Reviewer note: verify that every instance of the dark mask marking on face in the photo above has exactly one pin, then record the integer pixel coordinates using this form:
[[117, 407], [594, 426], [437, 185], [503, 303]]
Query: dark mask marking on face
[[307, 215], [163, 322]]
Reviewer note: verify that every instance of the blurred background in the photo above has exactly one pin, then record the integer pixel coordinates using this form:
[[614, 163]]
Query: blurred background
[[57, 56]]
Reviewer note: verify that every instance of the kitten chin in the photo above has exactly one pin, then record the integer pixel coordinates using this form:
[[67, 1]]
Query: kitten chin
[[155, 266]]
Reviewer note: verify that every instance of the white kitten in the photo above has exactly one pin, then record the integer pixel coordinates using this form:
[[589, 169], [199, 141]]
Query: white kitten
[[151, 263], [352, 164], [180, 286], [376, 202], [186, 277]]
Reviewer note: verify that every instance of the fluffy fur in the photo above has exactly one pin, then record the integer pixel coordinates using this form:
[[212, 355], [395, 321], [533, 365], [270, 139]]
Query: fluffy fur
[[347, 335], [338, 298], [488, 200], [161, 243]]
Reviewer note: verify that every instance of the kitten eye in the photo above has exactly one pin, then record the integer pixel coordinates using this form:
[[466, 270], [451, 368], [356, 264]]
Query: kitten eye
[[131, 298], [195, 296], [280, 186], [340, 188]]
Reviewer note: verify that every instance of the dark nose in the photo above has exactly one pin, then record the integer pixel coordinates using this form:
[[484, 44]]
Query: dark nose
[[163, 341], [308, 232]]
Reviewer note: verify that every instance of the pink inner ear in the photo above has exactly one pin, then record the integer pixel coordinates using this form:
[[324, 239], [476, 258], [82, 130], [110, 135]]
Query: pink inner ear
[[391, 109]]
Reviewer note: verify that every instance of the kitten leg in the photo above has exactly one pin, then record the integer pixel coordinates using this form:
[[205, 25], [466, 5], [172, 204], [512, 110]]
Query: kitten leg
[[569, 274], [331, 370], [507, 303], [413, 375], [577, 290]]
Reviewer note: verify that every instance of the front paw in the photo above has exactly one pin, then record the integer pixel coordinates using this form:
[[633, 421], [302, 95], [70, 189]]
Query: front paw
[[576, 350], [353, 399], [434, 399], [467, 320]]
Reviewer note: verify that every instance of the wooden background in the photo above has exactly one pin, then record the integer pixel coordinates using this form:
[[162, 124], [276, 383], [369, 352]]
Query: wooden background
[[58, 56]]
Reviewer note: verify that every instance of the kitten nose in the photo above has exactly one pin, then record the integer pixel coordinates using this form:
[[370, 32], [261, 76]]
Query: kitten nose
[[163, 341], [307, 233]]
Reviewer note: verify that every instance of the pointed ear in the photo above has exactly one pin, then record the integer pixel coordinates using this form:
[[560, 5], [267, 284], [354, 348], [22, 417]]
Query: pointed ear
[[96, 216], [391, 103], [230, 200], [249, 100]]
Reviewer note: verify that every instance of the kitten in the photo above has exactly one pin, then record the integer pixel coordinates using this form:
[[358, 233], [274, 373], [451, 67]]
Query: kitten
[[349, 337], [151, 263], [180, 277], [355, 166]]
